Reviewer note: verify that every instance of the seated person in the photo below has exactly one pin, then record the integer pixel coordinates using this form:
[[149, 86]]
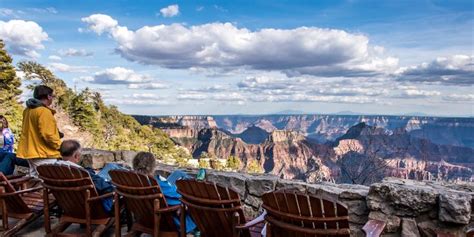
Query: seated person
[[8, 161], [71, 155], [145, 163]]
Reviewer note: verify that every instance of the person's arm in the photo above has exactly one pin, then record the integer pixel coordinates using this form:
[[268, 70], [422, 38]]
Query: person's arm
[[49, 130], [101, 185]]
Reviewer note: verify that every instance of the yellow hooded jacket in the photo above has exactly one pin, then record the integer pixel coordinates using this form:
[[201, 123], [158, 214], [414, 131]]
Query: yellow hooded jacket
[[39, 133]]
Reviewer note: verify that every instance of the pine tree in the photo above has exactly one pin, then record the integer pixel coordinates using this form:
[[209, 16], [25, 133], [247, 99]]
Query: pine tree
[[36, 71], [254, 167], [9, 91], [233, 163]]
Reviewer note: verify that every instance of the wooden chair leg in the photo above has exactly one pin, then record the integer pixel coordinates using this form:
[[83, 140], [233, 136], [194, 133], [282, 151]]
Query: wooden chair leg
[[269, 230], [129, 218], [19, 225], [88, 213], [117, 215], [157, 219], [47, 223], [182, 223], [235, 222], [4, 214]]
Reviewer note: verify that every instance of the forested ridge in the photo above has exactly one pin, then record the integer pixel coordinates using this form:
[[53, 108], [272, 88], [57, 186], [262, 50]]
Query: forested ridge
[[109, 128]]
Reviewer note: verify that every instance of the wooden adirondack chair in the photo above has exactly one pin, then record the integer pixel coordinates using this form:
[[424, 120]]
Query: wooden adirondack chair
[[144, 200], [290, 213], [470, 232], [216, 210], [25, 205], [75, 193]]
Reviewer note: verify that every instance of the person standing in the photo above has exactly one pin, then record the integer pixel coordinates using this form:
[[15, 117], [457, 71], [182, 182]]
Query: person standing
[[40, 140]]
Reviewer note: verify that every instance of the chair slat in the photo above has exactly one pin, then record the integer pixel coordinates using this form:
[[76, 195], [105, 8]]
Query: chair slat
[[135, 186], [306, 215], [214, 219]]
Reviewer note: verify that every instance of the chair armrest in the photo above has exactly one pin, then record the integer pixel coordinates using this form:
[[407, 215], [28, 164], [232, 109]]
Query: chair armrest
[[16, 176], [373, 228], [19, 180], [107, 195], [21, 192], [253, 222], [168, 209]]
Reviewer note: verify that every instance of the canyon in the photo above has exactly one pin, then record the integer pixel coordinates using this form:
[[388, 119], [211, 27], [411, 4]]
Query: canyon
[[337, 148]]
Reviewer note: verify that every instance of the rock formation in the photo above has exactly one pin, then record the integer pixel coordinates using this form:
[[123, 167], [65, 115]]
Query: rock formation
[[363, 154]]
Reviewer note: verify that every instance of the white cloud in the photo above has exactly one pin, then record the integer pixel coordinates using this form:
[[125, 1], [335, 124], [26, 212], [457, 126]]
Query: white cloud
[[317, 98], [199, 8], [75, 52], [219, 8], [192, 96], [118, 75], [6, 12], [453, 70], [416, 93], [148, 86], [137, 99], [303, 50], [50, 10], [54, 58], [459, 98], [170, 11], [23, 37], [100, 23], [61, 67]]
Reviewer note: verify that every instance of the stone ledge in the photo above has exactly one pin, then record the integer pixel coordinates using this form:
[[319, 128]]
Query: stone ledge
[[407, 205]]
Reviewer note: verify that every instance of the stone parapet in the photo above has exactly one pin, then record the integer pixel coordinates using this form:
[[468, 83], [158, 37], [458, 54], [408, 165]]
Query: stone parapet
[[411, 208]]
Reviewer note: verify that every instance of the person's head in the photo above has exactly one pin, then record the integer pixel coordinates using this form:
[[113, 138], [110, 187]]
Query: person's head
[[3, 122], [71, 151], [44, 93], [144, 162]]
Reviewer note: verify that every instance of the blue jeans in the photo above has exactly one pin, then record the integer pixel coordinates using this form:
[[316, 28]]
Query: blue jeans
[[8, 162]]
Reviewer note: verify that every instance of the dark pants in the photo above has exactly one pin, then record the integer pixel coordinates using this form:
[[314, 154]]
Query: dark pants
[[8, 162]]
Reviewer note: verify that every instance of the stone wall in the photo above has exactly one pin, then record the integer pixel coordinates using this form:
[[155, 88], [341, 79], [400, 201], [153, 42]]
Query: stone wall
[[411, 208]]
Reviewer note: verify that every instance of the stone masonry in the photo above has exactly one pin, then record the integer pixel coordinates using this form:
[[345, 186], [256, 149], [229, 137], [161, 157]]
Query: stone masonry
[[410, 208]]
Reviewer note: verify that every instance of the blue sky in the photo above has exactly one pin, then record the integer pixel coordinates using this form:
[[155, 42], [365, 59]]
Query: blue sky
[[254, 57]]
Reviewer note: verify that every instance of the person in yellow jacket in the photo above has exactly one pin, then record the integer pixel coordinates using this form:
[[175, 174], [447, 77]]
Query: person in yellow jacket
[[40, 140]]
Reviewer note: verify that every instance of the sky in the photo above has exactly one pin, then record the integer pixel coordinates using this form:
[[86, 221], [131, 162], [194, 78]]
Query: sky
[[393, 57]]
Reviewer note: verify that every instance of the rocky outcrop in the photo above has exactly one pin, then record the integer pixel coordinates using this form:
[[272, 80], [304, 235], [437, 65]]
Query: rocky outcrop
[[283, 153], [364, 155], [253, 135]]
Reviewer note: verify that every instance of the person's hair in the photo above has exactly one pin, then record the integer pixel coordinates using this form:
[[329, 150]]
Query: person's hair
[[69, 147], [144, 162], [41, 92], [3, 122]]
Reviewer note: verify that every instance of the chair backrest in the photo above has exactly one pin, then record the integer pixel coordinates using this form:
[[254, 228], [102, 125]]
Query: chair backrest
[[70, 185], [14, 203], [291, 213], [140, 192], [212, 207]]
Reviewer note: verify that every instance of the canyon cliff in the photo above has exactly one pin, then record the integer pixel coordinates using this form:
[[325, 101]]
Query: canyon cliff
[[325, 148]]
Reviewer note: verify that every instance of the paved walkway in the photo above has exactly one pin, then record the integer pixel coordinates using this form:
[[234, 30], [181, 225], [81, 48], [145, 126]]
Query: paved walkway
[[36, 229]]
